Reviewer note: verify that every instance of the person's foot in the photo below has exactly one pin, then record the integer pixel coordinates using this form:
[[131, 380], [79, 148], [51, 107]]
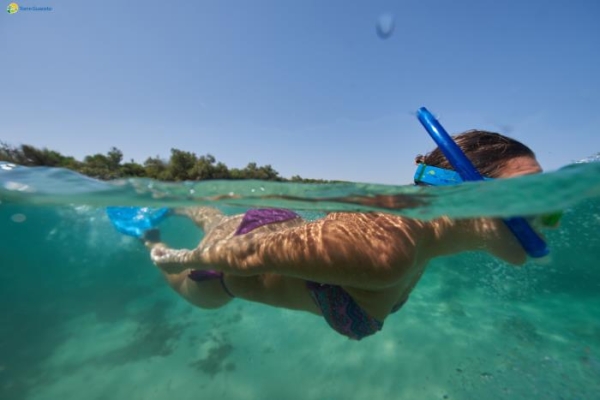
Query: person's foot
[[170, 261]]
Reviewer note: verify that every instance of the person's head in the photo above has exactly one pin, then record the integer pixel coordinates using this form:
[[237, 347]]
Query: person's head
[[493, 155]]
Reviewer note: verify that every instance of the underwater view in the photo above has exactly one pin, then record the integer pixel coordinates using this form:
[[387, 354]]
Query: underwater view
[[87, 315], [119, 118]]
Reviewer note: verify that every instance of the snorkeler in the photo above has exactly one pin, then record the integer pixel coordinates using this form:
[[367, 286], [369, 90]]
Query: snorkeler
[[354, 269]]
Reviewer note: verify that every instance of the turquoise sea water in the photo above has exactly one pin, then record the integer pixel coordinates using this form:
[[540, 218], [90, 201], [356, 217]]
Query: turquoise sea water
[[84, 314]]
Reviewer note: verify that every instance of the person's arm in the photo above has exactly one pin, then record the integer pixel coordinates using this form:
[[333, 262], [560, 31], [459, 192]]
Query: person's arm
[[359, 250]]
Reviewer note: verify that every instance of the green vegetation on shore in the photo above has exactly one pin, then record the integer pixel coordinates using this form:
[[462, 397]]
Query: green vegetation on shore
[[181, 166]]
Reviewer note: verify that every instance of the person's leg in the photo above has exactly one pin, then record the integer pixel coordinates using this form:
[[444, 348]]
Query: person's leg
[[205, 218], [203, 289], [274, 290]]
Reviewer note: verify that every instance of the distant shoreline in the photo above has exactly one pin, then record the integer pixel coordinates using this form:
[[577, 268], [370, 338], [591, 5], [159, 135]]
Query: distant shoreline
[[181, 166]]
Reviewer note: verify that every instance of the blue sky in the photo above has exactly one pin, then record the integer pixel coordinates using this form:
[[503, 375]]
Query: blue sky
[[306, 86]]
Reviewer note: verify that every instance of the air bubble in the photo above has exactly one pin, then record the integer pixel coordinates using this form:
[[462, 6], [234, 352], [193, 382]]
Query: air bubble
[[17, 186], [7, 166], [18, 218], [385, 26], [546, 260]]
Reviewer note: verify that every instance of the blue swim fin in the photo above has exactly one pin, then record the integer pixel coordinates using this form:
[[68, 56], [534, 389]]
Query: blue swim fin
[[134, 221]]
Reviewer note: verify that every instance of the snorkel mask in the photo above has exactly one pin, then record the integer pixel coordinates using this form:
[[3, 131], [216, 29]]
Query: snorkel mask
[[435, 176], [531, 242]]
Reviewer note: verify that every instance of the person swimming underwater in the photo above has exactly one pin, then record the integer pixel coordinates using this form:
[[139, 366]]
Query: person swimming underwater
[[354, 269]]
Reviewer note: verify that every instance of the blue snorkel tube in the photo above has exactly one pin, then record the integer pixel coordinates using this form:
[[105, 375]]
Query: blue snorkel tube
[[520, 228]]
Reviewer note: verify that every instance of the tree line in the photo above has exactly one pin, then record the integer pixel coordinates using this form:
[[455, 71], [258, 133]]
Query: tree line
[[181, 165]]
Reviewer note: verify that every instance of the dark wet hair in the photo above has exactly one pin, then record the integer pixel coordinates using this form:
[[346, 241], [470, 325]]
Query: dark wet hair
[[488, 151]]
